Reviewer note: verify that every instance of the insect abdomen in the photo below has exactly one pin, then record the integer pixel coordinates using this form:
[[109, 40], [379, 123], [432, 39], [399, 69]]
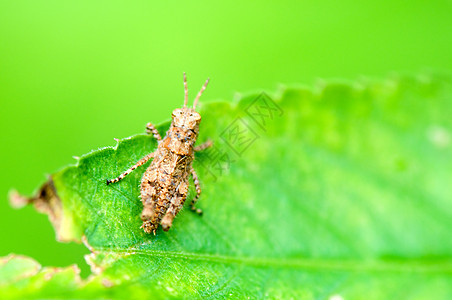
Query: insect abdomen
[[164, 189]]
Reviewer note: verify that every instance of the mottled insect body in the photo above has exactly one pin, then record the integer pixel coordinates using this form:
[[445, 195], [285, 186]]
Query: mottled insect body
[[164, 185]]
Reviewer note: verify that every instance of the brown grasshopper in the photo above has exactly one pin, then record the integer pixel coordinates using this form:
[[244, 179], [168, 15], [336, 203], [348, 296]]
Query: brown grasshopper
[[164, 185]]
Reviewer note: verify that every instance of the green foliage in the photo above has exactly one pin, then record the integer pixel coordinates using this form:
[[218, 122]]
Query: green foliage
[[343, 191]]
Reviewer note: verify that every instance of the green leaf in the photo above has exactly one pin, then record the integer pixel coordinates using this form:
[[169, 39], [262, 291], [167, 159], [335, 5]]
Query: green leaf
[[337, 192]]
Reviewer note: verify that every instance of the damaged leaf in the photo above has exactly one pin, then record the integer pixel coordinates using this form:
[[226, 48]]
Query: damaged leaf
[[336, 191]]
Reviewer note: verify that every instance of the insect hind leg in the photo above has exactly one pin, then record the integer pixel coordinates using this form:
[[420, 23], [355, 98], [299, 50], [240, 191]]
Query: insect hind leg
[[138, 164], [198, 193], [173, 210]]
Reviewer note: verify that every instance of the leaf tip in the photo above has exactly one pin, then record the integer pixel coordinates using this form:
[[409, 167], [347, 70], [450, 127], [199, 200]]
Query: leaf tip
[[16, 200]]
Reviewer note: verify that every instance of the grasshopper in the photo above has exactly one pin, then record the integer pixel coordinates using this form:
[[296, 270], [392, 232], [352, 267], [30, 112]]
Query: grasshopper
[[164, 185]]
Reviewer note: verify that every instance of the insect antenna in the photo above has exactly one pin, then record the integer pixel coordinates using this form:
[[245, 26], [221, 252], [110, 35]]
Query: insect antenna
[[186, 90], [200, 93]]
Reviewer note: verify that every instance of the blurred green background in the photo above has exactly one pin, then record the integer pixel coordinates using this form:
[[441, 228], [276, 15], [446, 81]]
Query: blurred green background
[[76, 74]]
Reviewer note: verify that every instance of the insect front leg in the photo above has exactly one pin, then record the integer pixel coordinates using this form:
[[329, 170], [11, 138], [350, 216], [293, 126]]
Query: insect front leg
[[198, 192], [139, 163], [203, 146], [151, 129]]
